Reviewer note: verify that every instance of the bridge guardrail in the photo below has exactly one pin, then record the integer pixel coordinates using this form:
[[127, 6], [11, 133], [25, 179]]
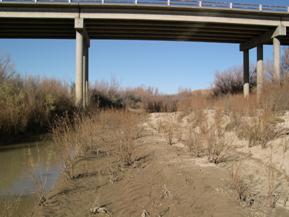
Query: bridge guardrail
[[171, 3]]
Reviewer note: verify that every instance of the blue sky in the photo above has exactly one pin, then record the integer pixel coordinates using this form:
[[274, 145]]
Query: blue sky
[[165, 65]]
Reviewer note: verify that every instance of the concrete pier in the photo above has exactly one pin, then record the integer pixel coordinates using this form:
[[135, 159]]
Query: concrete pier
[[82, 51], [260, 70], [79, 69], [277, 59], [246, 87], [85, 72]]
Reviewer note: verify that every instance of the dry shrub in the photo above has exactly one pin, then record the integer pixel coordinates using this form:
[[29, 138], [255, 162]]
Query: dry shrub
[[169, 128], [153, 101], [260, 130], [110, 95], [239, 184], [160, 104], [170, 135], [194, 100], [217, 147], [275, 96], [106, 95], [110, 132], [195, 140], [29, 105], [207, 138], [231, 81], [272, 184], [195, 144]]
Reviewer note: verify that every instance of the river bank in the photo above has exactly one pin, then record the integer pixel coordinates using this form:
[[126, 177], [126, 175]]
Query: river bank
[[162, 180], [161, 172]]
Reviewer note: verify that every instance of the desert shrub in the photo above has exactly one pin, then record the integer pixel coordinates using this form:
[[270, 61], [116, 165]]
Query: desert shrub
[[160, 103], [108, 132], [260, 130], [194, 143], [231, 81], [239, 184], [30, 105], [109, 95], [106, 95], [189, 100], [275, 96]]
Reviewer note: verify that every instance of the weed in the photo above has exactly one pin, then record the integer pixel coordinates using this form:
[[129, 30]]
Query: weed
[[195, 144], [238, 183], [273, 194]]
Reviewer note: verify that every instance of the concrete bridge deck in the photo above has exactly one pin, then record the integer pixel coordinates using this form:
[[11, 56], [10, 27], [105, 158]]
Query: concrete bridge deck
[[249, 25]]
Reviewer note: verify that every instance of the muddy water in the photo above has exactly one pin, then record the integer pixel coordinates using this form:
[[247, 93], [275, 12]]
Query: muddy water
[[22, 168]]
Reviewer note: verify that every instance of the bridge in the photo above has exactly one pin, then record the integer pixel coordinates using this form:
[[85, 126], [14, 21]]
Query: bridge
[[249, 25]]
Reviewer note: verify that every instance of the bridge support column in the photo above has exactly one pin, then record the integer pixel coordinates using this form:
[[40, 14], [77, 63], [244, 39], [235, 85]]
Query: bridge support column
[[246, 87], [82, 50], [86, 46], [79, 69], [277, 61], [260, 70]]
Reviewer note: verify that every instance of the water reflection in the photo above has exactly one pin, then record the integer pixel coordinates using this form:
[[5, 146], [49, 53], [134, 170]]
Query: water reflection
[[23, 167]]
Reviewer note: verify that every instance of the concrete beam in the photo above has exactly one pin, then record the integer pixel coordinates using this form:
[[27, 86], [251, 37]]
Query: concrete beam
[[277, 59], [246, 86], [265, 38], [260, 70], [183, 18]]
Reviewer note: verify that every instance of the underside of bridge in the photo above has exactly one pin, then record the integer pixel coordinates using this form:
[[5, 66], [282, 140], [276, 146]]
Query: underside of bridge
[[87, 22]]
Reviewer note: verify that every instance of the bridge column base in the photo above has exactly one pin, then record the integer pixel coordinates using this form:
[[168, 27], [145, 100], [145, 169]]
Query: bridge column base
[[246, 86]]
